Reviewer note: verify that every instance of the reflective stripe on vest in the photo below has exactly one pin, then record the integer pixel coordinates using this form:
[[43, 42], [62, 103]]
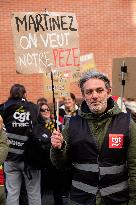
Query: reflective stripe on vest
[[84, 187], [104, 191], [87, 167], [17, 137], [114, 188], [16, 151], [1, 176], [103, 170], [19, 141], [112, 169]]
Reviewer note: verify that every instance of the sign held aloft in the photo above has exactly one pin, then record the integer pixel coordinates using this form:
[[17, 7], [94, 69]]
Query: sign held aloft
[[45, 41]]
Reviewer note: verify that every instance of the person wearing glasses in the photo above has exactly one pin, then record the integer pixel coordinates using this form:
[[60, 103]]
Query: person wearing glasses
[[47, 116], [50, 177]]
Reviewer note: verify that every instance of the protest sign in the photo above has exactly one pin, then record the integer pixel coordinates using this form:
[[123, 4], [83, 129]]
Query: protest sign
[[64, 80], [44, 41], [61, 85], [87, 63]]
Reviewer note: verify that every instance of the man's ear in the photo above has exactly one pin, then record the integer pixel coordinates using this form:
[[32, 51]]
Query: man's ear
[[83, 95], [25, 95], [109, 92]]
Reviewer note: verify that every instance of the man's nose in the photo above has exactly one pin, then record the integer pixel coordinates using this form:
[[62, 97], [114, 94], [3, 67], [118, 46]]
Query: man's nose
[[94, 94]]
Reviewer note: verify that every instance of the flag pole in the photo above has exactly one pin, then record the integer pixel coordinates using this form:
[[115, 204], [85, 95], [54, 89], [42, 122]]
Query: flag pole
[[123, 72], [53, 95]]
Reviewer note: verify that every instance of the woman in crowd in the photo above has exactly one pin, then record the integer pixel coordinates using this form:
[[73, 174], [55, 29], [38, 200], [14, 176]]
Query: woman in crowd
[[69, 108], [41, 100], [50, 177]]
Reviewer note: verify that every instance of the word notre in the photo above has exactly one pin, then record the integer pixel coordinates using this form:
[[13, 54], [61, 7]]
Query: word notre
[[37, 59]]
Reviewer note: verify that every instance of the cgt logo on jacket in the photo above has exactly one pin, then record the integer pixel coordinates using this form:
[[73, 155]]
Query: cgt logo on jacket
[[21, 118], [116, 140]]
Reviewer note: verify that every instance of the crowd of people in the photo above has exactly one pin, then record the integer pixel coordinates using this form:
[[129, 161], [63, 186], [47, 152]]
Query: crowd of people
[[92, 151]]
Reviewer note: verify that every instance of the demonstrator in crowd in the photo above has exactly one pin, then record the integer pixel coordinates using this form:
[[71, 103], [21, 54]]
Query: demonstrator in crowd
[[100, 144]]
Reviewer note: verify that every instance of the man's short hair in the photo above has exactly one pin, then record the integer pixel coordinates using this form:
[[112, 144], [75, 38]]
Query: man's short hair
[[93, 75]]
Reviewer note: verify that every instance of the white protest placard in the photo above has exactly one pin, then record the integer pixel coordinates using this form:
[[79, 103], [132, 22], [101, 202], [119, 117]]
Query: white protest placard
[[44, 41]]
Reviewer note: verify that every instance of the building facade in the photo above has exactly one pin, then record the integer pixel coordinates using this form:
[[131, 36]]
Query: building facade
[[106, 28]]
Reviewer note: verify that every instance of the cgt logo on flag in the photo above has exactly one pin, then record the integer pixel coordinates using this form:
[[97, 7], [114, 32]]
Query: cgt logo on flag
[[116, 140]]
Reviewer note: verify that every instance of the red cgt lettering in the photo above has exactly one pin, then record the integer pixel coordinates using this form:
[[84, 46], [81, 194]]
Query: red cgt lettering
[[116, 141]]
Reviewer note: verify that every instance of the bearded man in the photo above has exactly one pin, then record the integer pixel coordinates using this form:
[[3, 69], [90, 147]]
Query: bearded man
[[100, 144]]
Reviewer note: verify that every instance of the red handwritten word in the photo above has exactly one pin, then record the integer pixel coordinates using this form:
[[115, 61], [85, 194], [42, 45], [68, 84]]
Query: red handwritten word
[[66, 57]]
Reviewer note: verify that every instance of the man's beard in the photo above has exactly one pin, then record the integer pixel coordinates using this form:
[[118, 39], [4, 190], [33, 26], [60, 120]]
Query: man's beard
[[97, 109]]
